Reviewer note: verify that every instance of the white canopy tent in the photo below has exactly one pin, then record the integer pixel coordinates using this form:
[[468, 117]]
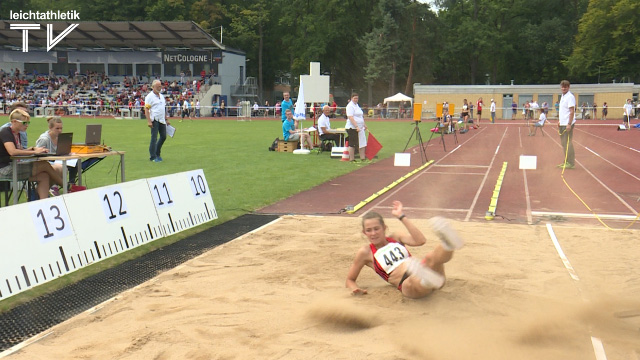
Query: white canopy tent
[[398, 97]]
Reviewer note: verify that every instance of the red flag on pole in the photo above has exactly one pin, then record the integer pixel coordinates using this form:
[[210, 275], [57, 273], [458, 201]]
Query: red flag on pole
[[373, 146]]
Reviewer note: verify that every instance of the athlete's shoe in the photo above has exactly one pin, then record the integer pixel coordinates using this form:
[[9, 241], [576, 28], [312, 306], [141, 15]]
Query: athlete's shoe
[[428, 277], [448, 236]]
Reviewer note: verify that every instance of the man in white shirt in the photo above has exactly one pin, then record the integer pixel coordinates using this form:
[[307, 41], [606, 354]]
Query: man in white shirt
[[493, 111], [154, 110], [566, 122], [324, 126], [628, 110]]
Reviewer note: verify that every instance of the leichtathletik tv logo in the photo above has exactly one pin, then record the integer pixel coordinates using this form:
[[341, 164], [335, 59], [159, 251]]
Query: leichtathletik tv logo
[[40, 16]]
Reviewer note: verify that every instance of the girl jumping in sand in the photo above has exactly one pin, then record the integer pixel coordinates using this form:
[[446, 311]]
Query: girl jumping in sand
[[389, 257]]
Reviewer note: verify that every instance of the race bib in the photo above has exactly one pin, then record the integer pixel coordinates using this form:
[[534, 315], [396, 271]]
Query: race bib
[[390, 256]]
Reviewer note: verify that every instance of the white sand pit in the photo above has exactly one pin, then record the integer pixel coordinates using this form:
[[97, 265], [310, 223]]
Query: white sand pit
[[279, 294]]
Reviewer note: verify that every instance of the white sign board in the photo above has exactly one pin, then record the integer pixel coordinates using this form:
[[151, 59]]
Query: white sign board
[[316, 86], [528, 162], [402, 159]]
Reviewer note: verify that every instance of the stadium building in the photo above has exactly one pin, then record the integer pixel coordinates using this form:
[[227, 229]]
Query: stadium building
[[178, 51]]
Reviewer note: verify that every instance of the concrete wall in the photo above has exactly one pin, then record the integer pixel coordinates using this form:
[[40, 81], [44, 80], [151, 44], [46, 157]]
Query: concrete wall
[[614, 94]]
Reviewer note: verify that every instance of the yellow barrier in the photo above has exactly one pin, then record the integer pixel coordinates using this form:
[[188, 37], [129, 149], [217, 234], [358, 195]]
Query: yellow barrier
[[387, 188], [496, 191]]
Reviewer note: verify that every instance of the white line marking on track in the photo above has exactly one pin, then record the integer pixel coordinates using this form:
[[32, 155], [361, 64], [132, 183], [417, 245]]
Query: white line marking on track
[[462, 166], [564, 259], [422, 209], [584, 215], [527, 197], [454, 173], [614, 165], [484, 179], [413, 178], [633, 211], [611, 141], [598, 348]]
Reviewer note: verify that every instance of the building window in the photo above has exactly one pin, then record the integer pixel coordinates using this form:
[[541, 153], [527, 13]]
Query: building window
[[120, 69]]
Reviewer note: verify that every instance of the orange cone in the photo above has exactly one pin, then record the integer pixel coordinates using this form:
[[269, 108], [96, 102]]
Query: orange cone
[[345, 153]]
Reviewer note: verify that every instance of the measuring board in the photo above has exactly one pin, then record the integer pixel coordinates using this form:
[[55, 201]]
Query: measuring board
[[113, 219], [38, 245], [46, 239], [182, 200]]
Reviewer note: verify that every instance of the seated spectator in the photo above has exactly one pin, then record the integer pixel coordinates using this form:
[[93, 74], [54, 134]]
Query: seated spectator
[[533, 128], [256, 109], [39, 171], [324, 126], [290, 133]]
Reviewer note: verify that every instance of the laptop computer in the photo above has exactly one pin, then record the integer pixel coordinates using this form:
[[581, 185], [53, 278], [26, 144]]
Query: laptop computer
[[64, 145], [94, 134]]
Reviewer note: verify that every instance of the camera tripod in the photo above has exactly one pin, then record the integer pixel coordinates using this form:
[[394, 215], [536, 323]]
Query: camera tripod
[[442, 130], [416, 130]]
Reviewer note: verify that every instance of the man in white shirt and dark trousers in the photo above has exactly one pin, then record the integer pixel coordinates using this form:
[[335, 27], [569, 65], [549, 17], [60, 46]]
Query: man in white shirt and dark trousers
[[324, 126], [628, 110], [154, 110], [566, 122], [493, 111]]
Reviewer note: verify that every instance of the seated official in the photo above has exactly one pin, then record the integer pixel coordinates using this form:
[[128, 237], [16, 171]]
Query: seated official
[[446, 123], [39, 171], [290, 133], [23, 134], [533, 128], [324, 126], [49, 141]]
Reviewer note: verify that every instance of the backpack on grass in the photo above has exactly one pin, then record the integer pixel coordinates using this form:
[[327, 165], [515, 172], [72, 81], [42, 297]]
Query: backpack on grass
[[274, 145]]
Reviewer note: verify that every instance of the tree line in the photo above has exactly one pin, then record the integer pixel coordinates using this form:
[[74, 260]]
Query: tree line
[[380, 47]]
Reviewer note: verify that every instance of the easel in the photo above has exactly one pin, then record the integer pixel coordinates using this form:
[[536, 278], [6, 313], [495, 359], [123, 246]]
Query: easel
[[417, 118]]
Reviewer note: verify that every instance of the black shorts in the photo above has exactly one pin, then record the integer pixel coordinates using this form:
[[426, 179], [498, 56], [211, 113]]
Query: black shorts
[[352, 136], [479, 112]]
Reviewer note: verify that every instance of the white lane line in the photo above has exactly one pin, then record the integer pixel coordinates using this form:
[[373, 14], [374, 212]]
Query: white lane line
[[598, 347], [520, 136], [462, 166], [613, 142], [413, 178], [527, 197], [584, 215], [454, 173], [564, 259], [633, 211], [422, 209], [614, 165], [484, 179]]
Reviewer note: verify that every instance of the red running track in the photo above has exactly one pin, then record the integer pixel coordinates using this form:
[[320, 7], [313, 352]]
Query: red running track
[[460, 182]]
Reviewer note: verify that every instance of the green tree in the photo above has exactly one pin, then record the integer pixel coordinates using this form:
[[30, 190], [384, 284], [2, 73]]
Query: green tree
[[607, 44], [248, 28]]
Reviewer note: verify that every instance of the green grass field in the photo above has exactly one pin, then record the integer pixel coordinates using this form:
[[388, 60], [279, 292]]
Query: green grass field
[[242, 174]]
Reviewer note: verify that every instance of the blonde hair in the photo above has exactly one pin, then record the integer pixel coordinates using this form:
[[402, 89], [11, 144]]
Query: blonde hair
[[52, 120], [19, 114]]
